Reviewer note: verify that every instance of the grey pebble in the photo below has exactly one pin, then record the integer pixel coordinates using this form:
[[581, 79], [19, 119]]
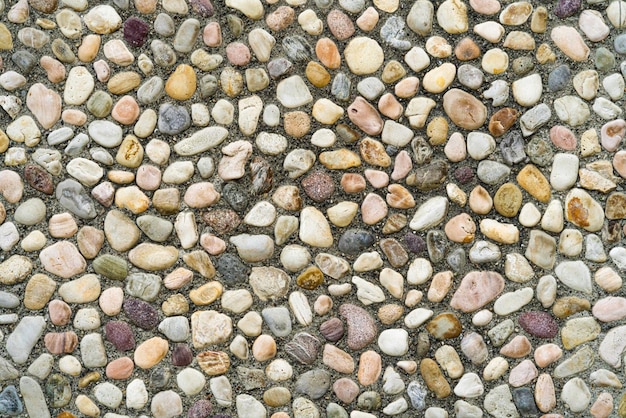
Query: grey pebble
[[314, 383], [278, 320], [394, 34], [492, 172], [559, 78], [341, 87], [73, 197], [24, 60], [173, 119], [151, 90], [470, 76], [164, 25], [297, 48], [231, 269], [512, 148]]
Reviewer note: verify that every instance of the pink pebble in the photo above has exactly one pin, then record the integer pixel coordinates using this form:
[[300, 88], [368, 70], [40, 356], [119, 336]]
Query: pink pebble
[[373, 209], [563, 138], [619, 163], [523, 373], [485, 7], [402, 166], [238, 54], [547, 354], [212, 34], [111, 300], [212, 244], [148, 177], [201, 195], [612, 134], [60, 312], [407, 87], [456, 149], [609, 309], [103, 72], [378, 179]]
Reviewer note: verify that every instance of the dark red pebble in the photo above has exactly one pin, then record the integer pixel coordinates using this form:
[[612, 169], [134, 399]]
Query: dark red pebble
[[120, 334], [136, 31], [539, 324], [141, 313]]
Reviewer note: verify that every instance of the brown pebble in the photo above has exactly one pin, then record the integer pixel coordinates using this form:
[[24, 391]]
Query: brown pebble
[[353, 183], [570, 305], [434, 378], [39, 179], [388, 314], [297, 124], [466, 50], [502, 121], [61, 342]]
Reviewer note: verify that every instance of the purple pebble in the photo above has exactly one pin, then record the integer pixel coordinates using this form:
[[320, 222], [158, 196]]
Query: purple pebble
[[136, 31]]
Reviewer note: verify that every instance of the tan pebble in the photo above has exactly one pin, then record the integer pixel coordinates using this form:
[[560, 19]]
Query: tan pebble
[[340, 159], [175, 305], [317, 74], [86, 406], [437, 131], [368, 19], [264, 348], [206, 294], [440, 286], [146, 6], [90, 241], [181, 85], [508, 200], [516, 14], [373, 152], [88, 379], [213, 363], [166, 201], [74, 117], [545, 55], [111, 300], [337, 359], [438, 47], [399, 197], [465, 110], [297, 124], [495, 368], [370, 367], [132, 198], [120, 369], [88, 49], [38, 292], [520, 41], [62, 225], [539, 20], [123, 82], [479, 200], [150, 352], [531, 179], [392, 72], [125, 111]]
